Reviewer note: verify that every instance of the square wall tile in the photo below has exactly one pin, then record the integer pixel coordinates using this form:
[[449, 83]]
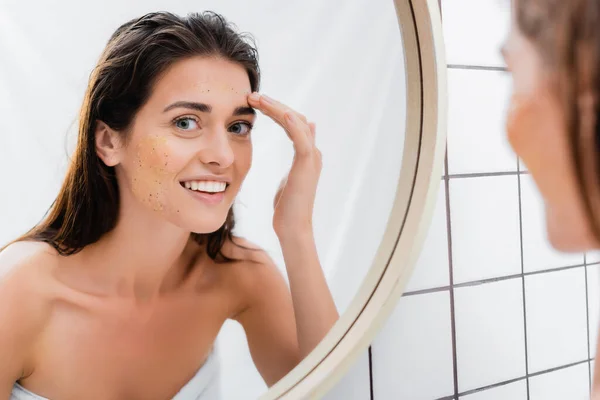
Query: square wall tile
[[355, 385], [556, 318], [432, 268], [512, 391], [593, 257], [484, 215], [566, 383], [474, 31], [490, 336], [538, 253], [593, 281], [477, 105], [412, 354]]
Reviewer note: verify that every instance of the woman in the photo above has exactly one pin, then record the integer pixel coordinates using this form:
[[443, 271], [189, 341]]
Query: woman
[[121, 291], [553, 53]]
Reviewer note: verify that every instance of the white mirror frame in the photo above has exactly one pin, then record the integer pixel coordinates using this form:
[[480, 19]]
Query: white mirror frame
[[422, 168]]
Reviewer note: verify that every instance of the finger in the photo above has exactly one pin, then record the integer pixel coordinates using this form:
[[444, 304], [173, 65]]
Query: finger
[[299, 133], [313, 129], [272, 108], [293, 122]]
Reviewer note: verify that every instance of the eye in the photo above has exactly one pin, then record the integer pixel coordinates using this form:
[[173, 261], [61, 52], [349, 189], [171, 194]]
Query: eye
[[241, 128], [186, 123]]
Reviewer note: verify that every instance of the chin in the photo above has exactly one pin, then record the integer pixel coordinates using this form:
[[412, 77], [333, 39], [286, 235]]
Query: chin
[[204, 225], [570, 235]]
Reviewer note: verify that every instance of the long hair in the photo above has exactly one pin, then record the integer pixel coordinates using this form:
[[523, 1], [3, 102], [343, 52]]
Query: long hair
[[566, 34], [138, 52]]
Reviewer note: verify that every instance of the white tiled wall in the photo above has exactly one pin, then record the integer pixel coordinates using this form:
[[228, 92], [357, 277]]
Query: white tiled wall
[[492, 312]]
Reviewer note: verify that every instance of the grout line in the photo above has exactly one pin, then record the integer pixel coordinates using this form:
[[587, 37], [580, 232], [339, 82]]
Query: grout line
[[371, 373], [587, 318], [492, 386], [545, 271], [547, 371], [451, 279], [488, 280], [486, 174], [477, 67], [425, 291], [523, 279], [498, 384], [492, 280]]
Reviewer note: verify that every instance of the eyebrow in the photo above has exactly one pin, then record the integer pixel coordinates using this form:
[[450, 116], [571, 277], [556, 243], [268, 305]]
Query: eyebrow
[[205, 108]]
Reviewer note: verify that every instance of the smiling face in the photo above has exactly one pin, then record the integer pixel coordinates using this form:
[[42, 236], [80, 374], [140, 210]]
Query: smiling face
[[538, 130], [189, 149]]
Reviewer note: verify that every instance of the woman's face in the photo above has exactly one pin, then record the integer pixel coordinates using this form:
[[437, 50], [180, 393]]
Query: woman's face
[[537, 131], [189, 149]]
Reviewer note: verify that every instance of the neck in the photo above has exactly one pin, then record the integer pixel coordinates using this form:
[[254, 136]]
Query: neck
[[143, 256]]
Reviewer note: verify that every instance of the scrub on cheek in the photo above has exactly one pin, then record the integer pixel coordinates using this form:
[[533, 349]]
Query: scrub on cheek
[[151, 172]]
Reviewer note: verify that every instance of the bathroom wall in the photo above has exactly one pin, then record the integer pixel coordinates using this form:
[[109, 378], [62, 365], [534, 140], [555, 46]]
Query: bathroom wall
[[492, 312]]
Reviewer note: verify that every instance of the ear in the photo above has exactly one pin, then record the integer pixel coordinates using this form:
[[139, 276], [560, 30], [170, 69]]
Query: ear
[[108, 144]]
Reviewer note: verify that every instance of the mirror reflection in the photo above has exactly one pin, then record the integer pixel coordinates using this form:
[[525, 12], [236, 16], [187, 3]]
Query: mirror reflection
[[193, 197]]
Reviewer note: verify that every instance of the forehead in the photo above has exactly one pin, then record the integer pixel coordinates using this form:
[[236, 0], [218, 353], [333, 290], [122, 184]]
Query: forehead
[[203, 75]]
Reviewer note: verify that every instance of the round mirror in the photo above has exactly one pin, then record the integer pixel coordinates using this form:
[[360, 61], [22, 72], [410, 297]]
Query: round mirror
[[369, 74]]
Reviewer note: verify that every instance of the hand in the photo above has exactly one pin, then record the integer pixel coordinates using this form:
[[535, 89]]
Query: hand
[[295, 198]]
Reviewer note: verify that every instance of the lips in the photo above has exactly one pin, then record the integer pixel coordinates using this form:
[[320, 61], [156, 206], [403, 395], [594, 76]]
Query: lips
[[205, 186], [207, 191]]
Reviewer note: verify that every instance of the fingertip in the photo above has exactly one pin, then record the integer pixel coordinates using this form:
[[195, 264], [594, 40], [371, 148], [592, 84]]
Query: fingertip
[[255, 96]]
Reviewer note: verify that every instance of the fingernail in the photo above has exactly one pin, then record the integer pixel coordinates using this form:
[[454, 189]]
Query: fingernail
[[267, 99], [255, 96]]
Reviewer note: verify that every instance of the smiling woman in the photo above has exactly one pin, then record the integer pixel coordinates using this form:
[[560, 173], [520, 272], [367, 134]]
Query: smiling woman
[[198, 244], [133, 272]]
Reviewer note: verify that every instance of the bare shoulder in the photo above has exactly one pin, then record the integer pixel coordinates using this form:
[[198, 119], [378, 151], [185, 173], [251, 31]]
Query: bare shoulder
[[254, 273], [25, 299], [27, 264], [26, 279], [245, 251], [26, 283], [251, 262]]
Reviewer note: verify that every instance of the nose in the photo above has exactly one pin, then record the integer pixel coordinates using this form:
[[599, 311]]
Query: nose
[[217, 149]]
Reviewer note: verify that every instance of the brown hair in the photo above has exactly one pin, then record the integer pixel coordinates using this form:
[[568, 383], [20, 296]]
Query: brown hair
[[137, 53], [566, 34]]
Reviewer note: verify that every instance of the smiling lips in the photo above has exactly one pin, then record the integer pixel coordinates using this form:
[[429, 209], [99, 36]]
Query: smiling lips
[[205, 186], [210, 192]]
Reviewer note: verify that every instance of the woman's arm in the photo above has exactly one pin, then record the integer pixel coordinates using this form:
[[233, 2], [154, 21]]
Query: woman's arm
[[281, 329], [314, 309], [309, 309]]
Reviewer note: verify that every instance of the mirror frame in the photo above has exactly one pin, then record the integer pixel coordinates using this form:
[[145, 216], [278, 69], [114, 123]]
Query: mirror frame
[[422, 168]]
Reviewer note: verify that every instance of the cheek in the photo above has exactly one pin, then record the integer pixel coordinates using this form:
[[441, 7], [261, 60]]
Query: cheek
[[152, 173], [536, 133], [520, 126], [243, 159]]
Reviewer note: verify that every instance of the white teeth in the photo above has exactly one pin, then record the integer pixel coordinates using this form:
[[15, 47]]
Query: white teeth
[[206, 186]]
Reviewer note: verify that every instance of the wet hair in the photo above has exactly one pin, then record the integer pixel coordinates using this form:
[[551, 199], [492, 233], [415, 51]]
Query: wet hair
[[566, 34], [138, 52]]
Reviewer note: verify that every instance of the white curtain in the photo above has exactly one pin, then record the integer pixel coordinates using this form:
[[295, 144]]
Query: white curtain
[[339, 62]]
